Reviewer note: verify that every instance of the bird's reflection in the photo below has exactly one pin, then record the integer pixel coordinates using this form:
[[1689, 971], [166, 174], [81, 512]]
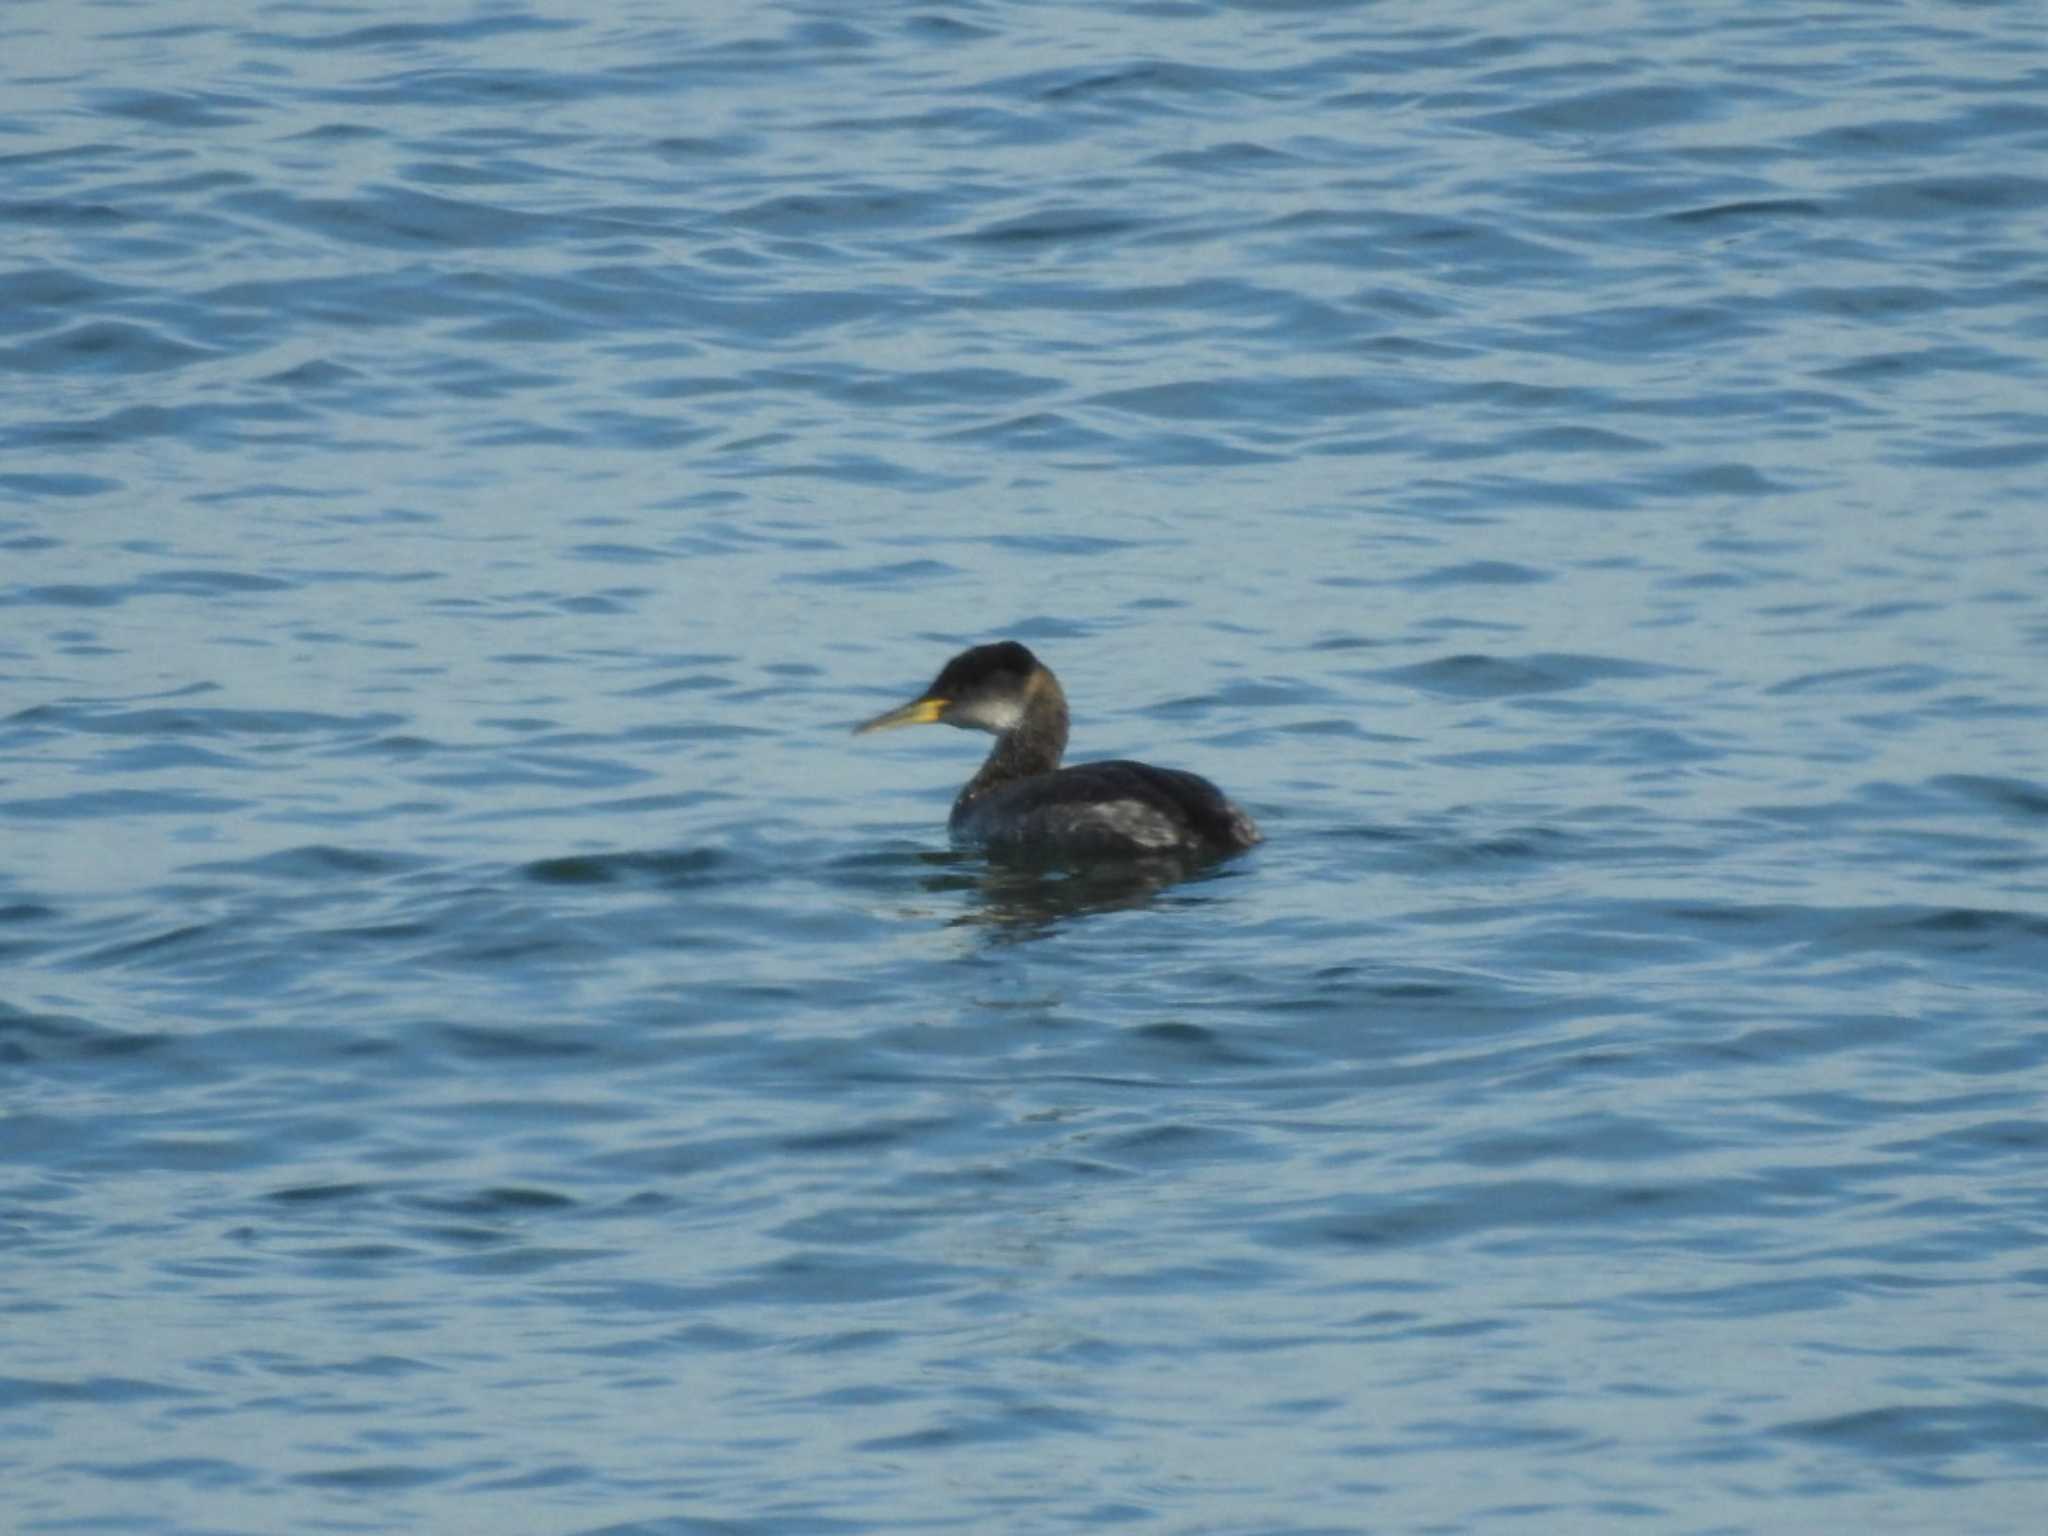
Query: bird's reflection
[[1014, 900]]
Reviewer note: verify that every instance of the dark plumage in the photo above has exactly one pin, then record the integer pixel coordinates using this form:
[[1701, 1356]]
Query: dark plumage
[[1023, 801]]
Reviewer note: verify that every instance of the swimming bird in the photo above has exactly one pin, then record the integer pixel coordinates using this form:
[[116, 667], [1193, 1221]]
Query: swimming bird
[[1023, 802]]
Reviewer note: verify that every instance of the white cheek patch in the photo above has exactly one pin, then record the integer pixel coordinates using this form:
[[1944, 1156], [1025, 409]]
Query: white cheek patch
[[998, 715]]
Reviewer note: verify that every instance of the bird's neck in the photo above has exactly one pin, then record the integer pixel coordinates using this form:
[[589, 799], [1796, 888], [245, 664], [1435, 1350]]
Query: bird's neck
[[1034, 745]]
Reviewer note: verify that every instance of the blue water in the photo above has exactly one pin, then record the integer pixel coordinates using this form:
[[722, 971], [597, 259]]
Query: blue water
[[482, 1048]]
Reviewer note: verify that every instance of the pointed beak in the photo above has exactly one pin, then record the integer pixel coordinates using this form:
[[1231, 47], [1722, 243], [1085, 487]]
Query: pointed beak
[[916, 712]]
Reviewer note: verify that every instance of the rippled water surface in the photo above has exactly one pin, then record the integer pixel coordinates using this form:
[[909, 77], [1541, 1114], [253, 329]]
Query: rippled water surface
[[481, 1047]]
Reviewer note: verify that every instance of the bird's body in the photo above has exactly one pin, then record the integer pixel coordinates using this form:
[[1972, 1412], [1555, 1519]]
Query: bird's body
[[1023, 802]]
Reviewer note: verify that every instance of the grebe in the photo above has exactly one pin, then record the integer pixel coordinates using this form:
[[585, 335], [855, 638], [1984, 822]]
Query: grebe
[[1023, 801]]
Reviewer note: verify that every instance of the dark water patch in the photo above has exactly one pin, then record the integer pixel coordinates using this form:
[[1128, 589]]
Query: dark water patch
[[1653, 746], [693, 732], [484, 1043], [1481, 676], [553, 769], [870, 1136], [1420, 242], [849, 214], [1521, 845], [1076, 227], [1193, 296], [378, 1367], [512, 91], [856, 469], [679, 870], [401, 219], [1965, 927], [1706, 480], [1478, 573], [1944, 197], [503, 1201], [402, 748], [618, 554], [2007, 455], [102, 346], [199, 722], [409, 37], [19, 1393], [807, 1278], [113, 804], [316, 373], [1239, 158], [64, 595], [59, 214], [1898, 609], [1905, 677], [856, 1340], [689, 148], [540, 1478], [1567, 440], [897, 868], [1752, 1300], [1192, 451], [384, 1478], [1643, 331], [215, 423], [318, 863], [181, 1471], [1759, 209], [324, 1194], [1139, 81], [1335, 727], [1293, 402], [211, 583], [185, 936], [1904, 1436], [27, 1037], [1599, 1138], [1196, 1043], [1562, 1214], [1623, 109], [703, 683], [1936, 934], [32, 297], [1039, 432], [794, 1524], [1889, 365], [977, 125], [1889, 306], [177, 109], [1057, 544], [894, 574], [2015, 797], [2022, 1142], [35, 487], [1024, 1421], [376, 935], [1176, 1144], [1241, 694], [1966, 707], [966, 387], [1887, 137]]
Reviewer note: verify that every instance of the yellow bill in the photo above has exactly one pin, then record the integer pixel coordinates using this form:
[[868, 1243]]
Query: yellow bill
[[916, 712]]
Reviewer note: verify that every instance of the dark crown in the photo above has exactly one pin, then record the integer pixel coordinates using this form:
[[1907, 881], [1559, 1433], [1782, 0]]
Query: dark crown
[[1005, 665]]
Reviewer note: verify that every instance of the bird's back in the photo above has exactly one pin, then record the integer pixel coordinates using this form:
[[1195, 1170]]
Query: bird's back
[[1111, 808]]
